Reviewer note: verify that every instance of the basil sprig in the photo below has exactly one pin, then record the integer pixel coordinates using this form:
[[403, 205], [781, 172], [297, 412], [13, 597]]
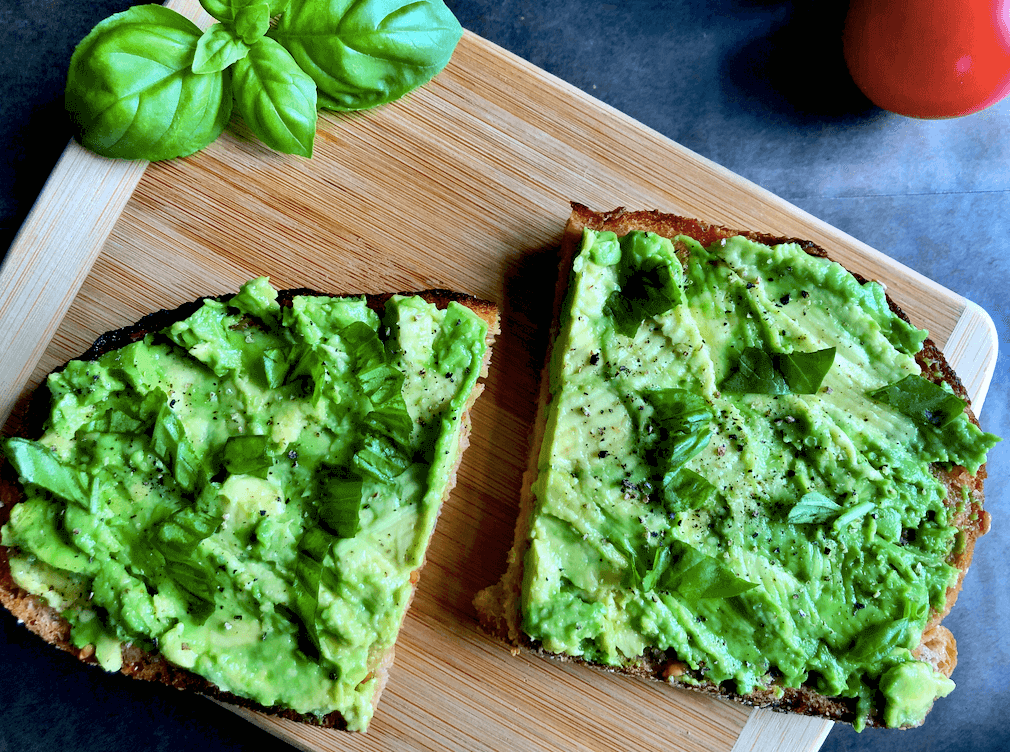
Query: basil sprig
[[148, 84]]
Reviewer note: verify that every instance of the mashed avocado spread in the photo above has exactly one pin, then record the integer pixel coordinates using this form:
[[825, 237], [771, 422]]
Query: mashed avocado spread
[[250, 490], [735, 469]]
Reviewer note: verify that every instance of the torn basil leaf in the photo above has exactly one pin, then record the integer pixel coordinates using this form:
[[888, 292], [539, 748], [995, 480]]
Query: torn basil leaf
[[176, 541], [646, 294], [813, 508], [804, 371], [38, 464], [759, 372], [679, 428], [649, 278], [683, 570], [313, 548], [384, 452], [686, 489], [169, 441], [340, 506], [247, 455], [921, 400]]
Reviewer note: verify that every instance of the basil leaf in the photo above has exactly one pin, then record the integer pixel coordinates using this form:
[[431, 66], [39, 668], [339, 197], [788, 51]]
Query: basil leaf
[[759, 372], [648, 279], [877, 641], [247, 455], [710, 579], [921, 400], [813, 508], [38, 464], [313, 548], [385, 450], [275, 98], [682, 569], [679, 427], [132, 93], [218, 48], [340, 506], [380, 382], [754, 373], [275, 366], [363, 53], [643, 297], [686, 489], [252, 22], [232, 10], [381, 457], [804, 371], [177, 540], [168, 441], [660, 563]]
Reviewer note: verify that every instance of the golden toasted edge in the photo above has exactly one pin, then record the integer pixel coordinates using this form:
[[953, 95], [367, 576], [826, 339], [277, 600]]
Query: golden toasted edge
[[46, 622], [499, 606]]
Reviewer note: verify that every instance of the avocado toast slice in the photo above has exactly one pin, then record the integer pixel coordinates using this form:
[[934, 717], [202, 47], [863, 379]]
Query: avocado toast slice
[[236, 496], [750, 476]]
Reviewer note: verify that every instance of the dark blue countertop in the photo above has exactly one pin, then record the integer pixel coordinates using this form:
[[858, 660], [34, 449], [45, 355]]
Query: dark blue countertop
[[756, 86]]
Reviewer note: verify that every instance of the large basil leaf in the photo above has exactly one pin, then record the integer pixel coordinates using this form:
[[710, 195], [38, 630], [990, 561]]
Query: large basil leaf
[[275, 98], [132, 93], [362, 53]]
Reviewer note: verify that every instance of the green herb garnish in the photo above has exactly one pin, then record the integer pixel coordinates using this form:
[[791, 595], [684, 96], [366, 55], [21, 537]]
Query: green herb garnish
[[760, 372], [813, 508], [921, 400], [147, 83]]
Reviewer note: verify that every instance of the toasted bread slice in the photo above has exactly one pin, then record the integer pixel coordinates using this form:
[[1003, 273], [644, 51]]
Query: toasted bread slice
[[142, 659], [500, 606]]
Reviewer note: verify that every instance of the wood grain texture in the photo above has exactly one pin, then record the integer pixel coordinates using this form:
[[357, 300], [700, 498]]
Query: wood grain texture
[[52, 254], [463, 184]]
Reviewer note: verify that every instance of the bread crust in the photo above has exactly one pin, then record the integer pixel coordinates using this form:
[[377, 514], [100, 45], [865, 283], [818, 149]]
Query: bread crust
[[498, 606], [47, 623]]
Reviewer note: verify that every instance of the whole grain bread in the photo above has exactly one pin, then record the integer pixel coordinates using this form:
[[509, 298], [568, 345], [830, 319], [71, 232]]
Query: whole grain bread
[[47, 623], [499, 606]]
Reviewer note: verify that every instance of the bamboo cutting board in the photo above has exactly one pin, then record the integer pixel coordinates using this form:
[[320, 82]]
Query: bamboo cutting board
[[464, 184]]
